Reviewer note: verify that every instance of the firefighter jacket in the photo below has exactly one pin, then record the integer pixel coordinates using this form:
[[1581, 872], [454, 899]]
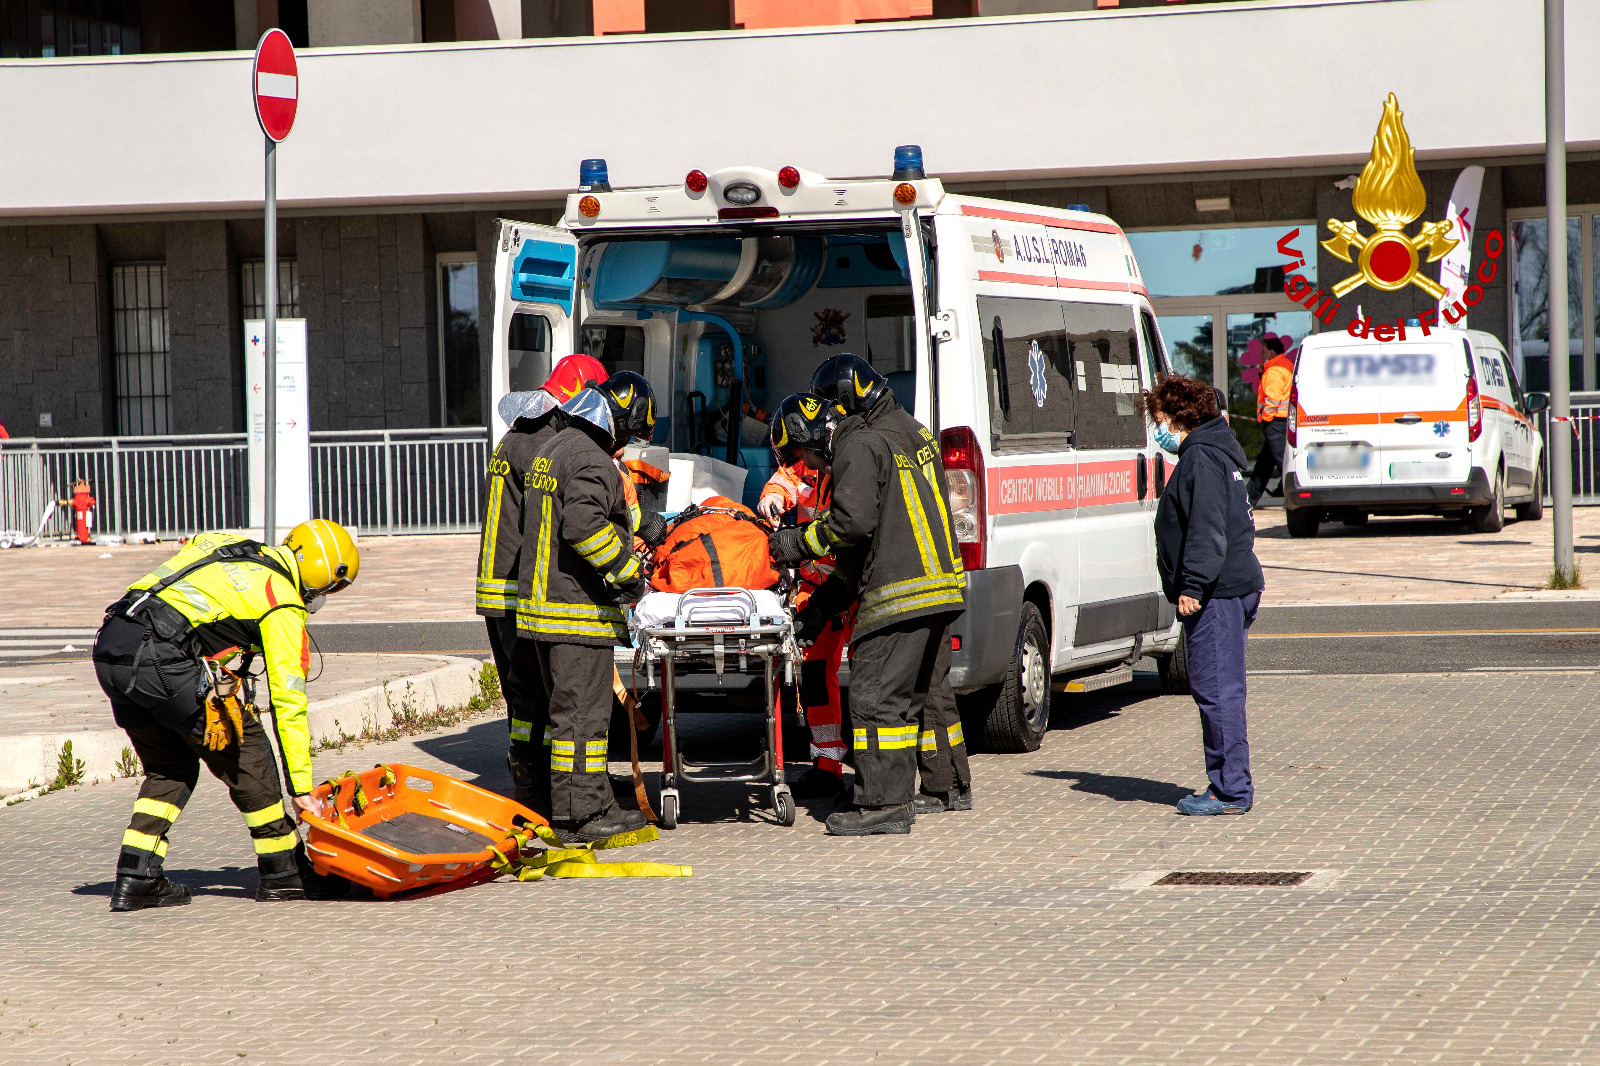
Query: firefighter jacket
[[577, 568], [239, 604], [1272, 395], [887, 499], [500, 543]]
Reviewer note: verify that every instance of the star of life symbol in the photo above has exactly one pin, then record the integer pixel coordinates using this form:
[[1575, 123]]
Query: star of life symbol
[[1441, 429], [1036, 380], [1389, 195]]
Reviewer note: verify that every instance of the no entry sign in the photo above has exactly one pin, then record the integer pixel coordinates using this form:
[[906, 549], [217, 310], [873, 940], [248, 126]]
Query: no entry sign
[[277, 84]]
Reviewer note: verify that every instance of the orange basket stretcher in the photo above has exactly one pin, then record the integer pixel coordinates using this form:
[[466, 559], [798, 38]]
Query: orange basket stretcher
[[396, 828]]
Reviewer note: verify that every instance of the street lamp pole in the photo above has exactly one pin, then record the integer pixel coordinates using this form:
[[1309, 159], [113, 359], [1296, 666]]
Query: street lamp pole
[[1555, 200]]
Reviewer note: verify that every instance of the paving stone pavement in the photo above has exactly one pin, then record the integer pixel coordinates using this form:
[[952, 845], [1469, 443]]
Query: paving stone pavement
[[428, 578], [1455, 817]]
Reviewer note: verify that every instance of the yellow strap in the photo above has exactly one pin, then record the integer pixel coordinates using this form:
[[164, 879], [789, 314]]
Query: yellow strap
[[578, 860]]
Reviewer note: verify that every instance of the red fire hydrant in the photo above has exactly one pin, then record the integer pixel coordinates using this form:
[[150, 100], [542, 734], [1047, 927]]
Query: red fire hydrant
[[82, 504]]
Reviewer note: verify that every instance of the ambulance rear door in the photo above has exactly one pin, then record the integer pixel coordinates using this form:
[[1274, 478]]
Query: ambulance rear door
[[1422, 432], [535, 289]]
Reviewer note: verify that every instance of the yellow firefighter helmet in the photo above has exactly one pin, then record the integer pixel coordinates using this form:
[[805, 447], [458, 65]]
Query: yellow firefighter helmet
[[326, 555]]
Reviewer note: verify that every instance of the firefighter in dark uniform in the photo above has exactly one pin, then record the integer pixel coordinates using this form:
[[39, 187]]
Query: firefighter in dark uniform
[[159, 657], [531, 418], [578, 572], [888, 525]]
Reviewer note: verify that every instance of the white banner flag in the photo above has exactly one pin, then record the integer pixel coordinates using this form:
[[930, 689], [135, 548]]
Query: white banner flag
[[1457, 262]]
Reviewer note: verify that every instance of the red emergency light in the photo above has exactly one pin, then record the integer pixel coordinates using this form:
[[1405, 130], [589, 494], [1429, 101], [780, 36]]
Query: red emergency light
[[695, 181], [788, 177]]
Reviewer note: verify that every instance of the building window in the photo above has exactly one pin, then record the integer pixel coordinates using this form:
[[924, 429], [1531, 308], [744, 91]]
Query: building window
[[253, 288], [1237, 261], [460, 364], [1530, 304], [139, 345]]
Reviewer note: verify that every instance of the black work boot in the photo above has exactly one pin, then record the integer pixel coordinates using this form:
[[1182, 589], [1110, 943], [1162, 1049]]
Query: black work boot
[[608, 823], [957, 799], [303, 882], [132, 893], [867, 821]]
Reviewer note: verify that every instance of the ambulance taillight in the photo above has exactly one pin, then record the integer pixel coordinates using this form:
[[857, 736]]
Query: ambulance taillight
[[963, 467], [1474, 410], [1290, 431]]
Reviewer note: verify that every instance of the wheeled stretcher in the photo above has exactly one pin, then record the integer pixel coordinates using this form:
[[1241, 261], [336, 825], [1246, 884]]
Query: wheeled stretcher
[[723, 628]]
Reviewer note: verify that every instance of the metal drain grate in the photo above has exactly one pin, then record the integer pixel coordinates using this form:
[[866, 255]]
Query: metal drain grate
[[1231, 878]]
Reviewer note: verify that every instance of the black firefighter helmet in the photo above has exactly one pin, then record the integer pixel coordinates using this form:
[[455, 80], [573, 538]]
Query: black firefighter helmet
[[851, 382], [804, 421], [622, 409]]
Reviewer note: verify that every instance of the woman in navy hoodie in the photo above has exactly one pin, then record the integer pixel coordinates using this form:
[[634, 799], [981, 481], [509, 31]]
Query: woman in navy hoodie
[[1205, 550]]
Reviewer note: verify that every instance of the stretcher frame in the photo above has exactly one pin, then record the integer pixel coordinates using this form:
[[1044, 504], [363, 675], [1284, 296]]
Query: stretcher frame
[[687, 641]]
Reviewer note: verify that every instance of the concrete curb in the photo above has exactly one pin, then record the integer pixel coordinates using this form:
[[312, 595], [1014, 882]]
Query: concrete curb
[[30, 760]]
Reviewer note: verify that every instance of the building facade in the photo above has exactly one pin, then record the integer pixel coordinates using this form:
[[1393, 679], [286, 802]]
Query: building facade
[[131, 239]]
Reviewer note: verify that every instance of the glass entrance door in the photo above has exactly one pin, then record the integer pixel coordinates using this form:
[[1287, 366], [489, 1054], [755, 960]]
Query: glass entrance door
[[1246, 356]]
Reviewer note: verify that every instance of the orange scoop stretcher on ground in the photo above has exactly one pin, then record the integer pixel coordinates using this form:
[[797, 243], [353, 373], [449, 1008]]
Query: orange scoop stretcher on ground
[[396, 828]]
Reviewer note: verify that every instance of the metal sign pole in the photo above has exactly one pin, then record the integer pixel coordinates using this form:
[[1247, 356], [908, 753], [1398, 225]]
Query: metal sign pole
[[269, 488], [1555, 201]]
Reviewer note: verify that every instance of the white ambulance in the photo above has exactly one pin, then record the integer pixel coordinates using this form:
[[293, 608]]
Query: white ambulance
[[1021, 335], [1434, 423]]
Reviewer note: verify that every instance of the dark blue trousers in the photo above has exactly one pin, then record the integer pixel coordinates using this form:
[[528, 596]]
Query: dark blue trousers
[[1216, 635]]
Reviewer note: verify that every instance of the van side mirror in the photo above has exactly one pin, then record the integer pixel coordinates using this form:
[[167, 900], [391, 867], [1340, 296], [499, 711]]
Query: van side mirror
[[1536, 402]]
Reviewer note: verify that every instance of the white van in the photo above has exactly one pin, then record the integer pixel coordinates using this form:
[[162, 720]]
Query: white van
[[1021, 335], [1433, 424]]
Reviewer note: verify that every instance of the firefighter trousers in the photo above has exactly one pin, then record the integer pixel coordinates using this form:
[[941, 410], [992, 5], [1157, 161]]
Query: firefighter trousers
[[819, 694], [891, 673], [527, 712], [941, 745], [577, 683], [172, 758]]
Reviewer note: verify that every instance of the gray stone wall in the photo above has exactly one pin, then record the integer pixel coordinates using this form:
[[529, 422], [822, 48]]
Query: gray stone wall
[[367, 293], [203, 329], [54, 322]]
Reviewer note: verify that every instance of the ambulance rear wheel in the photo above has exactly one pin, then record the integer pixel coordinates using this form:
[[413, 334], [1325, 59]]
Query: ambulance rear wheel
[[1303, 521], [1174, 667], [1019, 716], [1491, 517]]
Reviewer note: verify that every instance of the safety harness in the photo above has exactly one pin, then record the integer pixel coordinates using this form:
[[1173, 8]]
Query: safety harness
[[222, 689]]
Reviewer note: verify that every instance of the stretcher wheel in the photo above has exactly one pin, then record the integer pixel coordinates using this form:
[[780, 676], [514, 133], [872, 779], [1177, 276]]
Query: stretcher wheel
[[783, 803], [669, 811]]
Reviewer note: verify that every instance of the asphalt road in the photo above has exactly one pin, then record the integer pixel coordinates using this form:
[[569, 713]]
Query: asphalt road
[[1345, 639]]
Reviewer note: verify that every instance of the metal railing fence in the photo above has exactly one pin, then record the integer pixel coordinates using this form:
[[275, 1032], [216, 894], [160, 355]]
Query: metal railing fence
[[1585, 408], [383, 482]]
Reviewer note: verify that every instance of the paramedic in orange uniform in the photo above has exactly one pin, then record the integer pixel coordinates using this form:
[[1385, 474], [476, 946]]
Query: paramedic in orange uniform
[[801, 485], [1272, 414]]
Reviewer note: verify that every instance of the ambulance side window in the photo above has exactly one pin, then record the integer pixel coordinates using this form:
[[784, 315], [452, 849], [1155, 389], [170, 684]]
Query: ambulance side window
[[1105, 355], [1516, 386], [1031, 402], [528, 351]]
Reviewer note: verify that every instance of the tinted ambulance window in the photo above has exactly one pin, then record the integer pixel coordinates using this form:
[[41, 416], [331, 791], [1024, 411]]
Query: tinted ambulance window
[[528, 351], [1156, 354], [618, 348], [891, 347], [1025, 356], [1516, 386], [1105, 356]]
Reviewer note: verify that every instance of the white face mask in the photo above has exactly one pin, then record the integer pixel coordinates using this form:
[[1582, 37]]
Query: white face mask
[[314, 604]]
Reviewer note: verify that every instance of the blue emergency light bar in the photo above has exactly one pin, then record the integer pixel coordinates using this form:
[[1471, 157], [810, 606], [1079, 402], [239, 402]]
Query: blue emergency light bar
[[908, 163], [1079, 207], [593, 176]]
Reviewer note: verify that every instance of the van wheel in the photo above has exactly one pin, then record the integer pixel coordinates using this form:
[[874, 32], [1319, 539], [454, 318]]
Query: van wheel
[[1019, 715], [1533, 510], [1174, 667], [1491, 518], [1303, 521]]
